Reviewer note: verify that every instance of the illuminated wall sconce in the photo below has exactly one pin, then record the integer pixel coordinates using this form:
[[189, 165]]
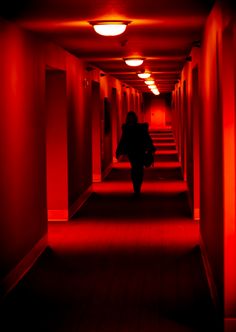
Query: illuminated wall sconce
[[134, 62], [145, 74], [109, 28]]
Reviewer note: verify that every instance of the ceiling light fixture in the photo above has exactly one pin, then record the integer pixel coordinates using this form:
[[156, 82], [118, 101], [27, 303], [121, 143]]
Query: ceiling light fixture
[[144, 74], [152, 86], [149, 82], [109, 28], [134, 62]]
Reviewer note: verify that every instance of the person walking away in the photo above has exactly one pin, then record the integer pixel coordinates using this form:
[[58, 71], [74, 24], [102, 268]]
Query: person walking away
[[135, 142]]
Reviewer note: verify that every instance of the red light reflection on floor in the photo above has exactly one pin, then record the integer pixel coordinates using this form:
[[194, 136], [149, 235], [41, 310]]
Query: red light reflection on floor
[[93, 236]]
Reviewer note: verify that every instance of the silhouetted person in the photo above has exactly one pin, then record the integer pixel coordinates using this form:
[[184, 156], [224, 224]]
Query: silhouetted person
[[134, 142]]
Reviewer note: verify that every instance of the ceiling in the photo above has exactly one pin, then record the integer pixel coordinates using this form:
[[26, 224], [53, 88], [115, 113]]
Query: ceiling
[[162, 31]]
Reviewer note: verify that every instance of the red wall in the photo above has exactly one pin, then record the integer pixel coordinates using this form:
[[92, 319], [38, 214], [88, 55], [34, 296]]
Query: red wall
[[228, 99], [208, 135], [208, 140], [22, 152], [211, 151], [227, 62], [186, 105]]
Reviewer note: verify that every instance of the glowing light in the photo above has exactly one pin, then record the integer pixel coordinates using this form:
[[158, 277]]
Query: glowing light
[[152, 87], [109, 28], [133, 62], [144, 75], [149, 82], [155, 89]]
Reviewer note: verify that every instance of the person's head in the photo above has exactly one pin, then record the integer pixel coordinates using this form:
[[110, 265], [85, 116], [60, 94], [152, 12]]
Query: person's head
[[131, 118]]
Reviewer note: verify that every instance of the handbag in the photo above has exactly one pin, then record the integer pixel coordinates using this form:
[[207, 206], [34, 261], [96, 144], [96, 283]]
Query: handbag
[[148, 158]]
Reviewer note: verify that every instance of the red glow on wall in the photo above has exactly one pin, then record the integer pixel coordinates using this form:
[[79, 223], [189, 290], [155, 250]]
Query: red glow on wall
[[22, 152]]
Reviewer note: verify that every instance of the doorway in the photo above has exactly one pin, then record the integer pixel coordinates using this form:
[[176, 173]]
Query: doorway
[[115, 123], [56, 145], [194, 179], [96, 133]]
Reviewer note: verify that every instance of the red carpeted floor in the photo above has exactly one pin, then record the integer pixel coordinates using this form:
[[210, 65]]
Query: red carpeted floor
[[123, 264]]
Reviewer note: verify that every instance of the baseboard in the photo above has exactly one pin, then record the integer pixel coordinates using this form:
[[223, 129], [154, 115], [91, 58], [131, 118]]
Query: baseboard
[[16, 274], [229, 324], [209, 275], [79, 202], [57, 215]]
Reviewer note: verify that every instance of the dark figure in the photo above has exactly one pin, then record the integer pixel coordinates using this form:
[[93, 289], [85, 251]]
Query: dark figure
[[134, 142]]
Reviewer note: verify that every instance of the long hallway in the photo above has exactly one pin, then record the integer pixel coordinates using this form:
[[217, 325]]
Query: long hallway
[[78, 251], [123, 263]]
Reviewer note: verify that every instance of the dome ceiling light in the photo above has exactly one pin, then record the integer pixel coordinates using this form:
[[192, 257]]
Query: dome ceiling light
[[149, 82], [152, 86], [144, 74], [134, 62], [155, 90], [109, 28]]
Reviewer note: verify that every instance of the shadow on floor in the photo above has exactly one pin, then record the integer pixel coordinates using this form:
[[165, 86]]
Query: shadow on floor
[[147, 290], [147, 206]]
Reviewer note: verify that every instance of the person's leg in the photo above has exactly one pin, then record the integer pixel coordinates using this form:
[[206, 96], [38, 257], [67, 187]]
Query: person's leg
[[137, 175]]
